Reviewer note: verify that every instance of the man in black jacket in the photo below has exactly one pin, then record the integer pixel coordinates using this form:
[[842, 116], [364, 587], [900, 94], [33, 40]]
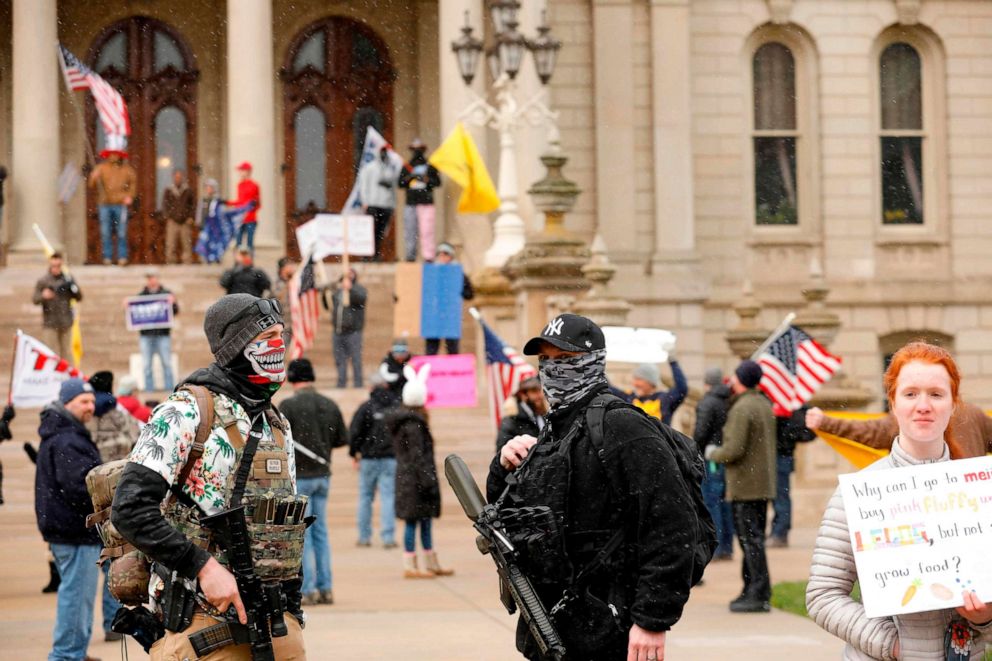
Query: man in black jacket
[[245, 277], [372, 451], [66, 454], [637, 594], [348, 322], [419, 180], [318, 428], [711, 414], [790, 429], [528, 418]]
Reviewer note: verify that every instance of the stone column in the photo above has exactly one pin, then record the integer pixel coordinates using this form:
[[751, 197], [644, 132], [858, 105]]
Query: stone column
[[34, 169], [251, 112]]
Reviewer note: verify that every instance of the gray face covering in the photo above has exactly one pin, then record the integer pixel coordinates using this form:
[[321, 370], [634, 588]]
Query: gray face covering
[[568, 380]]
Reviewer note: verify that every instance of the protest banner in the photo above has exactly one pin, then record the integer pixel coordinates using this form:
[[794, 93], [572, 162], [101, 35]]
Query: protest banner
[[148, 312], [428, 300], [451, 383], [921, 534], [37, 373], [638, 345], [325, 235]]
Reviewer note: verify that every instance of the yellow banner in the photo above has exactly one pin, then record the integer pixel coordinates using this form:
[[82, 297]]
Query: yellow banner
[[459, 158]]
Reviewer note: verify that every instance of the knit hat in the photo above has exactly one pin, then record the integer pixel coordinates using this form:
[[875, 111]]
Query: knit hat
[[102, 381], [300, 371], [235, 320], [713, 376], [73, 388], [127, 385], [446, 248], [212, 183], [648, 372], [400, 345], [748, 373]]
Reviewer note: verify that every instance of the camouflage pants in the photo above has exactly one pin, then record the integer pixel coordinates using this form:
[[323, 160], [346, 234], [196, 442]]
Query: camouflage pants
[[176, 646]]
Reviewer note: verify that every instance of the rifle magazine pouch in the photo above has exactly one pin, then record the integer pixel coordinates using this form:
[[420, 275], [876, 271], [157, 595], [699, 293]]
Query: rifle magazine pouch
[[128, 578], [277, 550]]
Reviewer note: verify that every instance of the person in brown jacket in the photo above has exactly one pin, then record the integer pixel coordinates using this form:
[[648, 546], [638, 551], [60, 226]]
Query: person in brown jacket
[[54, 293], [115, 182], [178, 207], [970, 430]]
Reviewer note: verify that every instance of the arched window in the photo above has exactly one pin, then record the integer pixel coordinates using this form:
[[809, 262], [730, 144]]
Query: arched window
[[170, 148], [902, 134], [775, 135], [311, 157]]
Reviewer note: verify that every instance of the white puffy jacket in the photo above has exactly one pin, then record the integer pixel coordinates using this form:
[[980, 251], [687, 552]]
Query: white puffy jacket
[[832, 575]]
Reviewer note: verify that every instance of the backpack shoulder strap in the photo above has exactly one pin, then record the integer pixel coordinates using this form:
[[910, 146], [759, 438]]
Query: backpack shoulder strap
[[205, 404], [595, 424]]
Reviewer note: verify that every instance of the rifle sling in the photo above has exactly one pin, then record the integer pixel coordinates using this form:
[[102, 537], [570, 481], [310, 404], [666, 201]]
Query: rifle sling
[[247, 457]]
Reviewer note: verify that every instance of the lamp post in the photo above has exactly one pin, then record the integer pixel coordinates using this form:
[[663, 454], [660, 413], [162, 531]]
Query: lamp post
[[505, 57]]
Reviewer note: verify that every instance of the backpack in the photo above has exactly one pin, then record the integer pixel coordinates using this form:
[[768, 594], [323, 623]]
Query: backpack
[[689, 462], [130, 568]]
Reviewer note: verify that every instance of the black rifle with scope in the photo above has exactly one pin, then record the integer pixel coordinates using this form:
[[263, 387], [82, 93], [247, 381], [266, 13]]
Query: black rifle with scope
[[516, 590], [264, 604]]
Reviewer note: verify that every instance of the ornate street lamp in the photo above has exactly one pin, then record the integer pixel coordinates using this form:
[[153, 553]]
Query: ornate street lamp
[[545, 50], [503, 12], [467, 50]]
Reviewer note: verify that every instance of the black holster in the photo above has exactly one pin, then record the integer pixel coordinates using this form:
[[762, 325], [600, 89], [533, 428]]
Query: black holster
[[177, 602]]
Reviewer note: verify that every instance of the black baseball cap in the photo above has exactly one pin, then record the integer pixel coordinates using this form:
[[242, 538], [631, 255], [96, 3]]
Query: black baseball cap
[[568, 332]]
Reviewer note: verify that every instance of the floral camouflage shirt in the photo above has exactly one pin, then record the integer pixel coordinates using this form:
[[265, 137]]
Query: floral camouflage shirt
[[165, 443]]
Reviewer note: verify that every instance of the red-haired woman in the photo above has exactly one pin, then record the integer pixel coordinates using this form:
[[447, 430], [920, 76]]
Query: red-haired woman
[[922, 388]]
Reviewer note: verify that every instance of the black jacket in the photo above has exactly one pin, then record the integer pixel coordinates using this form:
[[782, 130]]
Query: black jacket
[[369, 437], [245, 280], [420, 181], [791, 429], [653, 584], [317, 424], [711, 414], [393, 367], [350, 319], [418, 494], [61, 502], [523, 422]]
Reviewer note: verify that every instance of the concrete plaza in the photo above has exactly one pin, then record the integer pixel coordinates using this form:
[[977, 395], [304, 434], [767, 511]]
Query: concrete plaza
[[379, 615]]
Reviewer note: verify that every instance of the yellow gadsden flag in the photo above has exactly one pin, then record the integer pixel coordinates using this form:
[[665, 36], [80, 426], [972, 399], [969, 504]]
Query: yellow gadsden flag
[[459, 158], [858, 454]]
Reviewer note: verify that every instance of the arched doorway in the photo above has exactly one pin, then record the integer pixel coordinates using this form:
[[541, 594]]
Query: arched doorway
[[154, 69], [337, 81]]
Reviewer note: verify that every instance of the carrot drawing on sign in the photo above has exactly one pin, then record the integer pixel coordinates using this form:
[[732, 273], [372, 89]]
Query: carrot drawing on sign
[[911, 591]]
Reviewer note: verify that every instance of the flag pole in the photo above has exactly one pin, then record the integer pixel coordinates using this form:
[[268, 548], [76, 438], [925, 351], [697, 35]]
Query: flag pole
[[782, 327], [13, 365]]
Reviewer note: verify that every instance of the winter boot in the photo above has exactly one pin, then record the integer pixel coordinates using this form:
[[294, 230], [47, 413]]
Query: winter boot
[[433, 566], [53, 578], [410, 567]]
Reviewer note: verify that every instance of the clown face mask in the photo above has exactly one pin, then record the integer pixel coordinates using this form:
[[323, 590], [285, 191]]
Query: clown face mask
[[268, 361]]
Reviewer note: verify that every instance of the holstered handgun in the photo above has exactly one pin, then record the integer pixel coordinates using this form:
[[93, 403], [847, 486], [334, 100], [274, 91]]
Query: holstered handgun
[[178, 600]]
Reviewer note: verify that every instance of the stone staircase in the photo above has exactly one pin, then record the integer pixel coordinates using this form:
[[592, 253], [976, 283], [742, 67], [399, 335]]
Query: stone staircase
[[107, 344]]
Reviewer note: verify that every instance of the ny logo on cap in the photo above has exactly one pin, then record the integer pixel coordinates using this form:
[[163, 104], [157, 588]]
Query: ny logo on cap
[[554, 327]]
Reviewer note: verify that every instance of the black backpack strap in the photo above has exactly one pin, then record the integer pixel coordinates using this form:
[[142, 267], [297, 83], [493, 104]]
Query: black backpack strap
[[595, 424]]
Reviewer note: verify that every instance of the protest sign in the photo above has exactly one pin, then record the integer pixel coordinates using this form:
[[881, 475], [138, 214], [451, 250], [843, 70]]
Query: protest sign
[[451, 383], [638, 345], [921, 534], [149, 312], [37, 373], [324, 236]]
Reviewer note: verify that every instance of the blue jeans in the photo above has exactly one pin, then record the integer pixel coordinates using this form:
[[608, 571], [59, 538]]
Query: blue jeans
[[714, 491], [377, 474], [410, 535], [316, 548], [110, 605], [246, 233], [161, 346], [74, 604], [348, 349], [782, 523], [113, 216]]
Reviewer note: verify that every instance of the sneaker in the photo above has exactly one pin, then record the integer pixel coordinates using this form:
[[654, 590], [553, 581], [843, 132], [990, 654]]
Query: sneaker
[[748, 605], [326, 597], [112, 637], [363, 542], [311, 599], [777, 542], [107, 262], [122, 262], [389, 545]]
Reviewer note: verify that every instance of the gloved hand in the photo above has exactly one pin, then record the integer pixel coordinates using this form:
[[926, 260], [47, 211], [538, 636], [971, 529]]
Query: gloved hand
[[670, 349], [709, 452]]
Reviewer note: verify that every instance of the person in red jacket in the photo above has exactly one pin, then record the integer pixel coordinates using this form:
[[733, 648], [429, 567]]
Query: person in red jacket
[[248, 193]]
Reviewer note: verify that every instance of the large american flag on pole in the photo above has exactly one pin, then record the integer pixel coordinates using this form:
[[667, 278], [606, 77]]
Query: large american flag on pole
[[795, 366], [303, 295], [505, 368], [110, 105]]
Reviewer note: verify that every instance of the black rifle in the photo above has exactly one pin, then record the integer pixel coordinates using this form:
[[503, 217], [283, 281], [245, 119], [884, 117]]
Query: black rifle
[[264, 604], [494, 541]]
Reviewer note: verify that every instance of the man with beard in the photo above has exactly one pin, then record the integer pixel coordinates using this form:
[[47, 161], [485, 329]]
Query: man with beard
[[619, 502], [247, 459], [523, 414]]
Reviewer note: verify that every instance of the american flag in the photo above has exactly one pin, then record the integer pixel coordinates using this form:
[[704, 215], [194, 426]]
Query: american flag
[[795, 366], [303, 306], [110, 104], [505, 368]]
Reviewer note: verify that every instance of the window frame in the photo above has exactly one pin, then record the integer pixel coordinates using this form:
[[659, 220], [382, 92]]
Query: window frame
[[935, 226]]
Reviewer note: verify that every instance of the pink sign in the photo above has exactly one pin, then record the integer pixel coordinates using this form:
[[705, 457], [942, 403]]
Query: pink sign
[[451, 383]]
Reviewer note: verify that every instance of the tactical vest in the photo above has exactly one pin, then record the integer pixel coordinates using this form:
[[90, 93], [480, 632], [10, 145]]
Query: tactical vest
[[274, 512]]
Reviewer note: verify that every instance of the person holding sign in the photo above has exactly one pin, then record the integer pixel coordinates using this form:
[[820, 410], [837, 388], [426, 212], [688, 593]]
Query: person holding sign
[[157, 341], [921, 384]]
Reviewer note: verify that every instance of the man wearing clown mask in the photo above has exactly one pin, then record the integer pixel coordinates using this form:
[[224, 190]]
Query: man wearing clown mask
[[247, 459]]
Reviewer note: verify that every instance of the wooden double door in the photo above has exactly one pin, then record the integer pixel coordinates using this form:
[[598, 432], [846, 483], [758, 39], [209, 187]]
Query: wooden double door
[[151, 65]]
